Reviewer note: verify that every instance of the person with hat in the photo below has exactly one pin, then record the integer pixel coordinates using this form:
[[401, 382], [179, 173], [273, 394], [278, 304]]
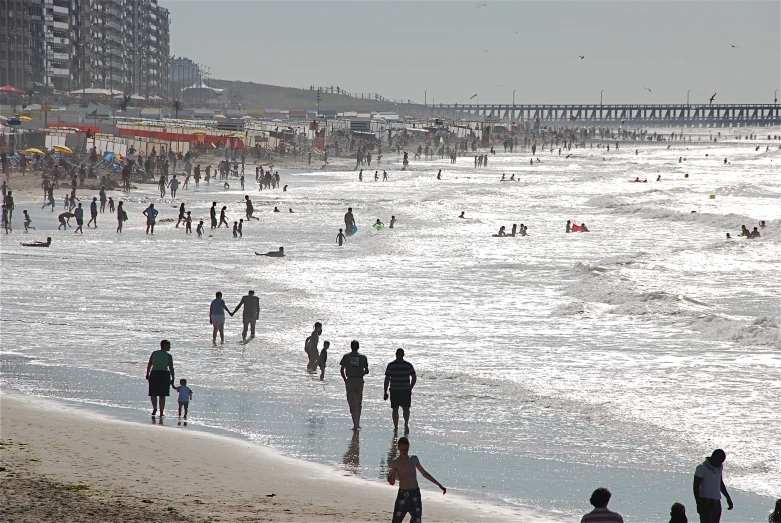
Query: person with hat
[[400, 377], [251, 313]]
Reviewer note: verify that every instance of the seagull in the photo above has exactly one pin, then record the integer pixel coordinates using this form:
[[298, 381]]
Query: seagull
[[581, 57], [646, 88], [712, 97], [478, 6], [733, 45]]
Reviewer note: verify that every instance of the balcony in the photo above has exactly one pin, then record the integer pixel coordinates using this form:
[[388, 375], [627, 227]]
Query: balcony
[[59, 9], [57, 56], [62, 26], [58, 71]]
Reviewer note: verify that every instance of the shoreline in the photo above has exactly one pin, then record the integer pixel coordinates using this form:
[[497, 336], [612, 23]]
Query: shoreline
[[130, 463]]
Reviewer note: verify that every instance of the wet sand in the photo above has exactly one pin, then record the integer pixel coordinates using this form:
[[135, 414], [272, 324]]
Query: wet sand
[[63, 463]]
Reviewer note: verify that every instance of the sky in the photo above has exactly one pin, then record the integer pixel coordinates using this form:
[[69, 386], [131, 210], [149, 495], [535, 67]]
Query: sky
[[447, 51]]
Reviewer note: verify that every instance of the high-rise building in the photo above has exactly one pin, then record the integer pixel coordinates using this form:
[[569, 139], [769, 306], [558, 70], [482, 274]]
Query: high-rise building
[[120, 45]]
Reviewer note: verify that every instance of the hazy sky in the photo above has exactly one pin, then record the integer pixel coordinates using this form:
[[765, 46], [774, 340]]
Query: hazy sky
[[456, 49]]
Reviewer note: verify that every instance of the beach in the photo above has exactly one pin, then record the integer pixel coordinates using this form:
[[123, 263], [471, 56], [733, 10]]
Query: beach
[[547, 365], [163, 472]]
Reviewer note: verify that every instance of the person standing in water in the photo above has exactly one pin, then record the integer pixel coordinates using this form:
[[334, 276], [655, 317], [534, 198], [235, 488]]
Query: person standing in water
[[354, 367], [213, 214], [150, 213], [160, 375], [340, 238], [93, 212], [400, 376], [79, 213], [310, 347], [102, 195], [349, 221], [182, 213], [217, 311], [121, 216], [251, 314], [223, 217], [408, 500]]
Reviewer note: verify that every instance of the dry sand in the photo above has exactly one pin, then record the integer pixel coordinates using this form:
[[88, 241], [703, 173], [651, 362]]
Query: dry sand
[[66, 464]]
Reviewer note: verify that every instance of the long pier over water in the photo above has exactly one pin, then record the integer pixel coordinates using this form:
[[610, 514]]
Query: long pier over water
[[715, 115]]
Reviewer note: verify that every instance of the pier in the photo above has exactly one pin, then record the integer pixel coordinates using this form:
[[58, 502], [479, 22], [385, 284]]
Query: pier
[[715, 115]]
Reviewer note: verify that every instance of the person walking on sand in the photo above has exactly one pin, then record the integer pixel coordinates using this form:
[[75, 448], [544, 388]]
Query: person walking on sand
[[217, 311], [310, 347], [354, 367], [251, 314], [160, 375], [400, 376], [600, 498], [150, 213], [408, 500], [709, 486]]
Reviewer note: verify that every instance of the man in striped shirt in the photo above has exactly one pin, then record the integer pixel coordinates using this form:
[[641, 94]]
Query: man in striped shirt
[[600, 498], [400, 375]]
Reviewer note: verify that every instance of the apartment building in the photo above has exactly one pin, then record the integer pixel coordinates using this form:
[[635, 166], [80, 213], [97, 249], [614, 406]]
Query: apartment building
[[120, 45]]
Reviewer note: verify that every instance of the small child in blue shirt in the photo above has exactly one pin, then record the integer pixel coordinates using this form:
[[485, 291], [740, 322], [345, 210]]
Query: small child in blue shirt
[[185, 395]]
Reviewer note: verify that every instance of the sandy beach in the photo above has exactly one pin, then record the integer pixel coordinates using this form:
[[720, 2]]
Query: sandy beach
[[64, 464]]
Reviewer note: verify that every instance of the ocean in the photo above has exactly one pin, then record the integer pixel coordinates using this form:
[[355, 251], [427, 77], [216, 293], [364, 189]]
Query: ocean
[[548, 365]]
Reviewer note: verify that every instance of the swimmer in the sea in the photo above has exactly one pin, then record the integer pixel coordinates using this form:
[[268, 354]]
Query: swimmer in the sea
[[276, 209], [569, 226], [47, 243], [393, 220], [461, 215], [501, 231], [273, 254], [583, 228]]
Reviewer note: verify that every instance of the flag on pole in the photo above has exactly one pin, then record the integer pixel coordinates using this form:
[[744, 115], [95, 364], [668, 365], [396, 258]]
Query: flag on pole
[[473, 96]]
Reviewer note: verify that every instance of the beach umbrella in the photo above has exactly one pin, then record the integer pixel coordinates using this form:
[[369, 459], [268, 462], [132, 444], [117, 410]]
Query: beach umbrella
[[109, 156], [25, 119], [199, 133], [219, 116], [63, 149], [138, 124], [3, 118], [9, 89], [33, 150]]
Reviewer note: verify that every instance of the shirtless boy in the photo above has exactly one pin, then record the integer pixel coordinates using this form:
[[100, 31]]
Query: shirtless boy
[[408, 499]]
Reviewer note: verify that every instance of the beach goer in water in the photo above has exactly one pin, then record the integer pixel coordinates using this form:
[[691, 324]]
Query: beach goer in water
[[217, 311], [354, 366], [678, 514], [401, 378], [223, 217], [569, 226], [174, 185], [151, 214], [250, 207], [185, 396], [323, 358], [583, 228], [708, 487], [47, 243], [188, 223], [349, 221], [744, 231], [462, 215], [121, 216], [502, 231], [378, 224], [79, 214], [276, 209], [755, 233], [111, 207], [93, 212], [392, 222], [240, 228], [340, 238], [181, 215], [310, 347], [729, 237], [599, 499], [28, 222], [273, 254], [199, 229], [213, 215], [405, 469], [659, 178], [251, 314], [162, 185], [235, 229], [160, 374]]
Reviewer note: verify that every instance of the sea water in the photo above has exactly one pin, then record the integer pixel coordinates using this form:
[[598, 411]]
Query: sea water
[[547, 365]]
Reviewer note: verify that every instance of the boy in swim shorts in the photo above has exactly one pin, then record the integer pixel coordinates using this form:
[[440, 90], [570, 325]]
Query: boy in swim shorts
[[323, 358]]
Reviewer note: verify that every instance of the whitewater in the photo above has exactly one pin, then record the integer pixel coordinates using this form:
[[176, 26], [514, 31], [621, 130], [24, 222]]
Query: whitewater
[[547, 365]]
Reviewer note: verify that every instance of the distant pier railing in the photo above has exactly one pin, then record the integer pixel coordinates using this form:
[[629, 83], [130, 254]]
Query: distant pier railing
[[717, 114]]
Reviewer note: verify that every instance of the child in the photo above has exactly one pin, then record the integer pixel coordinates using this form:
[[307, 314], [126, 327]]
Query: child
[[199, 229], [235, 229], [110, 204], [27, 222], [185, 396], [323, 358], [6, 224], [188, 224], [241, 228], [340, 238]]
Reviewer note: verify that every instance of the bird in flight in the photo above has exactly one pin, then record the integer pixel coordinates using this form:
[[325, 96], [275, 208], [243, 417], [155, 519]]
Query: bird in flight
[[581, 57], [646, 88], [478, 6], [712, 97], [733, 45]]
